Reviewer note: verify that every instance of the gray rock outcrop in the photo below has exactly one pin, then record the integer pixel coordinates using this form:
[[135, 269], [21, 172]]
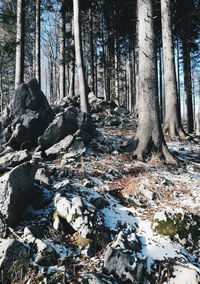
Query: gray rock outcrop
[[28, 116], [16, 191]]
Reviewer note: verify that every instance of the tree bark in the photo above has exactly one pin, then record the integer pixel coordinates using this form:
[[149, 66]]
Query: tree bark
[[172, 119], [19, 67], [188, 86], [37, 43], [92, 51], [79, 58], [198, 122], [149, 137], [62, 84]]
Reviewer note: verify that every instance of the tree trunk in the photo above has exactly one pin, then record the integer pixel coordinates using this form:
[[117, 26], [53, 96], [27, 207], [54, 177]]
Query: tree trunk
[[92, 51], [79, 58], [62, 70], [72, 79], [116, 85], [198, 122], [172, 119], [37, 43], [149, 137], [188, 86], [19, 67]]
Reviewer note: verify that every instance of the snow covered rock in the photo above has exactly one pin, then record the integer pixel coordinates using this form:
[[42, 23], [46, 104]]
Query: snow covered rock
[[42, 177], [13, 159], [121, 111], [16, 191], [93, 278], [124, 265], [84, 218], [45, 254], [185, 275]]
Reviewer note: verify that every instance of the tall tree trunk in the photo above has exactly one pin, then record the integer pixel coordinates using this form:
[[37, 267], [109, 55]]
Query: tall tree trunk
[[62, 84], [178, 75], [37, 43], [19, 67], [72, 79], [92, 51], [79, 58], [188, 86], [116, 87], [149, 137], [161, 99], [172, 119]]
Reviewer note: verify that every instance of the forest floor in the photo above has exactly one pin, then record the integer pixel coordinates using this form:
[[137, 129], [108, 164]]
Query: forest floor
[[162, 202], [157, 204]]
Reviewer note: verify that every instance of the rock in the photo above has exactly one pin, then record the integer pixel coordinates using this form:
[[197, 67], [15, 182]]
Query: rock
[[64, 124], [42, 177], [84, 219], [31, 233], [76, 150], [111, 120], [16, 191], [3, 170], [121, 111], [14, 158], [99, 202], [122, 242], [93, 278], [184, 275], [59, 148], [10, 251], [45, 255], [86, 127], [123, 265], [29, 116]]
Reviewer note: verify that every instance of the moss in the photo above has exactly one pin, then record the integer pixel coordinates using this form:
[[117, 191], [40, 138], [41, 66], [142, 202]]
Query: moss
[[100, 239], [131, 202], [74, 217], [82, 242], [179, 227]]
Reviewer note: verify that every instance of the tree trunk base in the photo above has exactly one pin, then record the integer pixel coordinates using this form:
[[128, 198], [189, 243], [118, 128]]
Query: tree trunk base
[[175, 131], [154, 152]]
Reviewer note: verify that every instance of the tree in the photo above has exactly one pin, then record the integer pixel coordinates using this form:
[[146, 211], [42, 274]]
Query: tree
[[19, 68], [149, 137], [186, 20], [37, 43], [79, 58], [62, 50], [172, 119]]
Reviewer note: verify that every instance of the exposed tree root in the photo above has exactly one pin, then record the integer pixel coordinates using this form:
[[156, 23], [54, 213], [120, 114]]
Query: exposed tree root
[[157, 152], [174, 130]]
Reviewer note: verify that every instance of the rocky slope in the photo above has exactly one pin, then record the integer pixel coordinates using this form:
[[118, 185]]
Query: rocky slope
[[81, 210]]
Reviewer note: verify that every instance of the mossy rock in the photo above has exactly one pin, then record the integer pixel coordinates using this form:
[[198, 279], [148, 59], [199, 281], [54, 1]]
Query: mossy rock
[[179, 227]]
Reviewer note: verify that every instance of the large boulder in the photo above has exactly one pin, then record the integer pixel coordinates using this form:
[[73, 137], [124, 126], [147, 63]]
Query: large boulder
[[28, 116], [68, 123], [14, 158], [16, 192], [64, 124]]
